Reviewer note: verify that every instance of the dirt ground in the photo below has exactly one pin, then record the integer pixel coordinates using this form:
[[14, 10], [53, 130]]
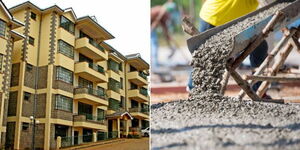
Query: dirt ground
[[128, 144]]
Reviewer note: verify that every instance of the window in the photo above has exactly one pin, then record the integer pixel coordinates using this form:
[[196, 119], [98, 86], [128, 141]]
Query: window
[[25, 126], [112, 65], [33, 16], [133, 86], [2, 28], [67, 24], [120, 67], [121, 83], [31, 40], [63, 103], [132, 69], [65, 75], [122, 102], [65, 48], [113, 85], [1, 61], [113, 104], [29, 67], [27, 96]]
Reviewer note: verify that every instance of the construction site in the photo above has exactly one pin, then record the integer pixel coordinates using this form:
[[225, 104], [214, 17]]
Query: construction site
[[223, 111]]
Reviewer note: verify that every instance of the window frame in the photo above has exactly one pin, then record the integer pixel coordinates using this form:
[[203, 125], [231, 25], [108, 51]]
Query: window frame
[[31, 40], [59, 69], [33, 16], [1, 61], [63, 52], [61, 105], [3, 30], [62, 26], [26, 94]]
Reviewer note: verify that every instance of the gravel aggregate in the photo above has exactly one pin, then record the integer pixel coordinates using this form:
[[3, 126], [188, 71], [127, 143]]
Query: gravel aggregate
[[208, 120]]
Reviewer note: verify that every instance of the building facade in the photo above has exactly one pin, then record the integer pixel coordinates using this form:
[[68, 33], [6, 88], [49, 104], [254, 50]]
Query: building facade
[[7, 38], [65, 82]]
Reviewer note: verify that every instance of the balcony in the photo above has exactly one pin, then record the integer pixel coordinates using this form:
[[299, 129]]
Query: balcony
[[90, 72], [89, 121], [140, 95], [91, 49], [94, 96], [137, 78], [140, 113]]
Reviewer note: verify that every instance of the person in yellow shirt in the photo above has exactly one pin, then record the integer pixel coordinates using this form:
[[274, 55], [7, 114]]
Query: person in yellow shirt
[[218, 12]]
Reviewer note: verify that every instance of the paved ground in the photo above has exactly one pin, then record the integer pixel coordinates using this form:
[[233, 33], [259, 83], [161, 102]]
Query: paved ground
[[128, 144]]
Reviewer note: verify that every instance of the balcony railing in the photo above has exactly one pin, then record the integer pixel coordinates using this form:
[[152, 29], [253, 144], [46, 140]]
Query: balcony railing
[[90, 117], [139, 109], [95, 92], [101, 136], [95, 44], [75, 140], [113, 104], [144, 91], [97, 68], [143, 75]]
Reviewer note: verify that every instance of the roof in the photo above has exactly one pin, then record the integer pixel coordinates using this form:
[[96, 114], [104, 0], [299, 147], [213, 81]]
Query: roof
[[136, 56], [29, 4], [10, 16], [110, 36], [119, 114]]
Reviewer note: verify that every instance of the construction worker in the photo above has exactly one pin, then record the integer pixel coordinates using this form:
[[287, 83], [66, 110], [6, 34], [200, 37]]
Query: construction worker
[[218, 12], [160, 16]]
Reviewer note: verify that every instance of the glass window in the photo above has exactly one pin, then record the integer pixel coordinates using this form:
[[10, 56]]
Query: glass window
[[112, 65], [63, 103], [65, 48], [121, 83], [113, 85], [27, 96], [67, 24], [2, 28], [64, 75], [1, 61], [31, 40], [120, 67], [25, 126], [33, 15]]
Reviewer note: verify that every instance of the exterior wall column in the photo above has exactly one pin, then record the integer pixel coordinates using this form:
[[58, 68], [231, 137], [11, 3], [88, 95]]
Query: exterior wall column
[[127, 127], [118, 127], [48, 108], [19, 106]]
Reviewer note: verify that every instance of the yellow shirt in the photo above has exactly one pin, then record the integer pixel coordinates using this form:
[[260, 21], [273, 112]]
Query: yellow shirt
[[219, 12]]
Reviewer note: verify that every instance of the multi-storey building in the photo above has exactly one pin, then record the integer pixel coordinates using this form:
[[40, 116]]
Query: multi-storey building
[[66, 83], [7, 38]]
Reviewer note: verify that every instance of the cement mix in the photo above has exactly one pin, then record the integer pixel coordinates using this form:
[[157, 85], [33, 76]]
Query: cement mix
[[210, 121]]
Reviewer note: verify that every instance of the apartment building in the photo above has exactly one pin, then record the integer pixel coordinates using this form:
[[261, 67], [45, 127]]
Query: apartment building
[[7, 38], [66, 82]]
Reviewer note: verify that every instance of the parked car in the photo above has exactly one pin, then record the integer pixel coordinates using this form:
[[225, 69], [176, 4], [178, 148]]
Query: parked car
[[146, 132]]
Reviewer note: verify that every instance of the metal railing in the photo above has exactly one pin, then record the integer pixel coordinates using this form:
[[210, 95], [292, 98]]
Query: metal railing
[[113, 104], [96, 68], [75, 140], [95, 44], [139, 109], [144, 91], [102, 136], [95, 92], [91, 117], [143, 75]]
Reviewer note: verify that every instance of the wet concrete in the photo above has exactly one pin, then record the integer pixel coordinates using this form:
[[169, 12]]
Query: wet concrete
[[210, 121]]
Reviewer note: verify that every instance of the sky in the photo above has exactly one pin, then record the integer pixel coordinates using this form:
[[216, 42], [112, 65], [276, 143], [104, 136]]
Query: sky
[[127, 20]]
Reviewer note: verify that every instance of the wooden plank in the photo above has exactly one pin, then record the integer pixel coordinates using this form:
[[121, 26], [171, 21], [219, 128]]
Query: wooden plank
[[188, 27], [242, 83], [275, 67], [271, 56], [272, 78]]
